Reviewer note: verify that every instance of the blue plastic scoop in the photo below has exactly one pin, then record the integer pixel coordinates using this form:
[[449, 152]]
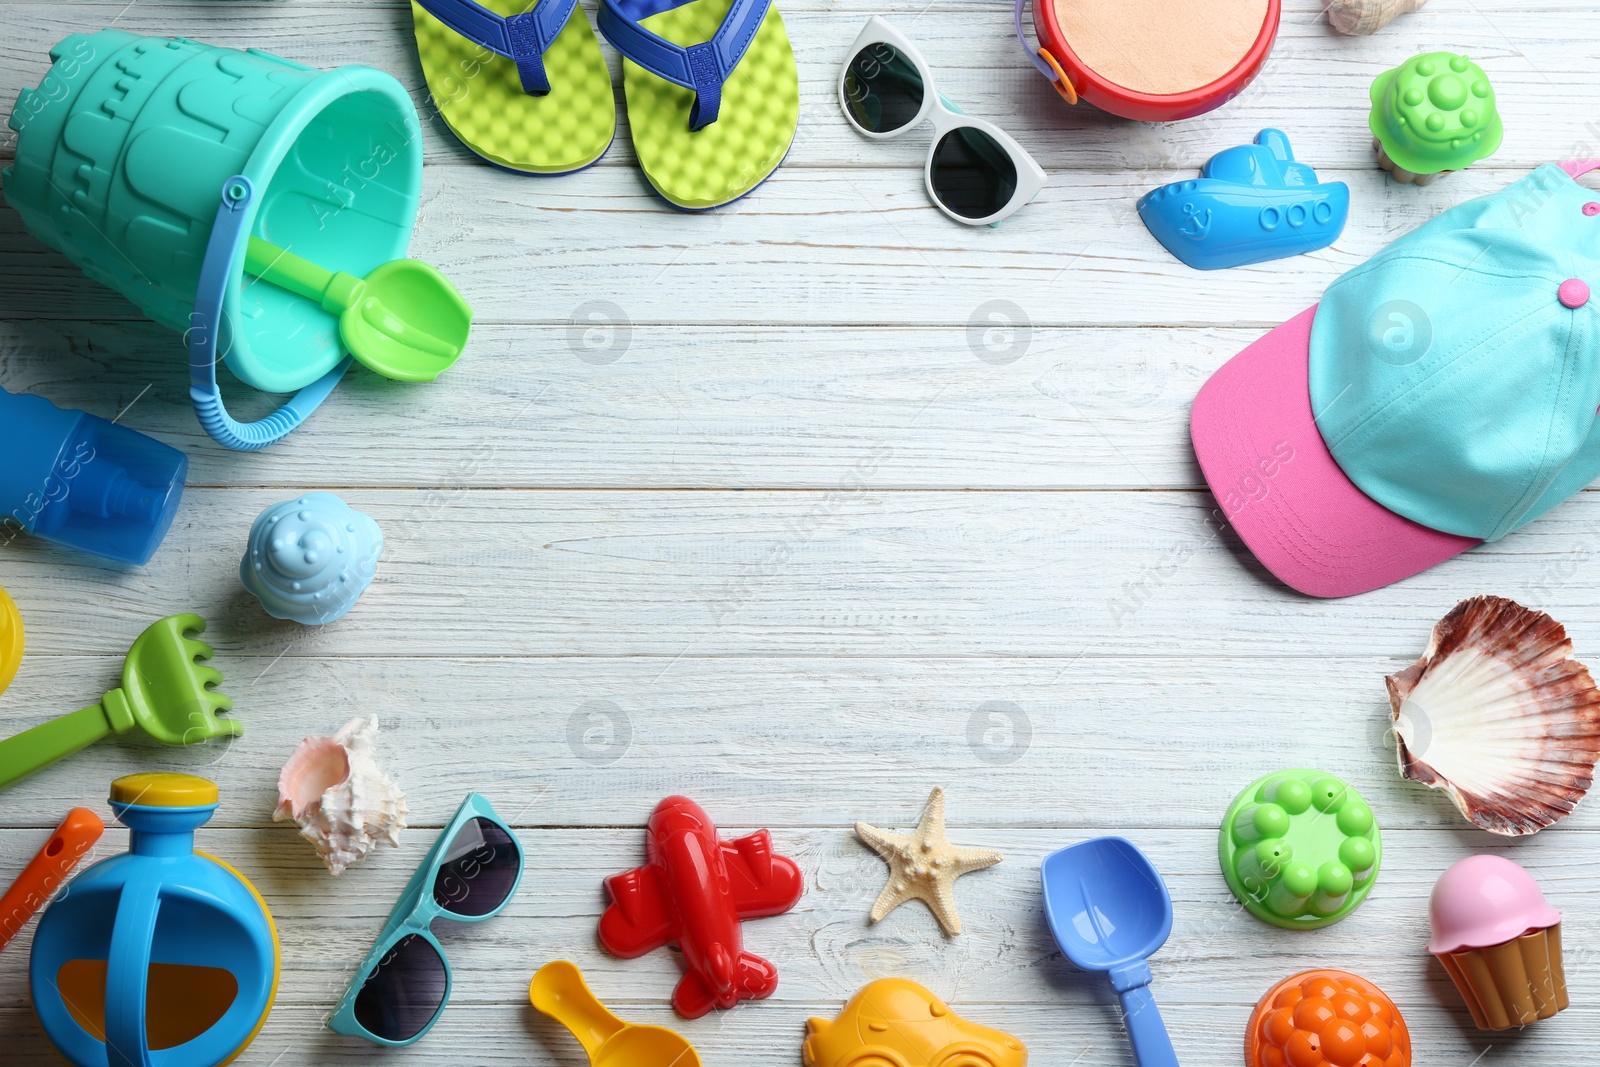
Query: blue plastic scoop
[[1109, 911]]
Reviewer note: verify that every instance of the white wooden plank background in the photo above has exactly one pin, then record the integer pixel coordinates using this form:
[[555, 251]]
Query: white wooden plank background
[[741, 506]]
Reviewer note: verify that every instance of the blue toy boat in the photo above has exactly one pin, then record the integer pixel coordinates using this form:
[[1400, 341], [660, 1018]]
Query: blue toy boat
[[1250, 204]]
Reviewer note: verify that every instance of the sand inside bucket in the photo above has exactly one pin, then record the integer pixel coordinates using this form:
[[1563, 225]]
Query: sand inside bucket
[[1161, 47]]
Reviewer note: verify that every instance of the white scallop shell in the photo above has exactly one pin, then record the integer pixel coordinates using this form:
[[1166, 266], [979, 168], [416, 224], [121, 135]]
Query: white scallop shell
[[1367, 16], [1498, 715], [344, 803]]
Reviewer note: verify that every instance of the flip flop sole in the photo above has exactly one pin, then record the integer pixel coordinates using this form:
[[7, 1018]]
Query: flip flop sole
[[480, 96], [754, 128]]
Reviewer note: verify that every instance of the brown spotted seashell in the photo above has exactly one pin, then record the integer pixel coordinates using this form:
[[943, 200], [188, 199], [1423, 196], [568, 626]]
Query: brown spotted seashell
[[1499, 715], [1367, 16]]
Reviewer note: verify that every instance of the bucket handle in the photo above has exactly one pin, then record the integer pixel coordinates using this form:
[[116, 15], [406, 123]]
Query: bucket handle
[[228, 236], [1045, 62]]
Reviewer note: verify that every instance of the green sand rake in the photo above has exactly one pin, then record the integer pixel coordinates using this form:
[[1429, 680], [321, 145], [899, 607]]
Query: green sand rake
[[166, 691]]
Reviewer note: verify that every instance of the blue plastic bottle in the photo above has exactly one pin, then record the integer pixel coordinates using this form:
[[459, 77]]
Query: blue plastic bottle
[[80, 481]]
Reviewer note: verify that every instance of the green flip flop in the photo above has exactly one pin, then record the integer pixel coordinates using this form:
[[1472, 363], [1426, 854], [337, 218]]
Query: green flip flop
[[712, 91], [522, 85]]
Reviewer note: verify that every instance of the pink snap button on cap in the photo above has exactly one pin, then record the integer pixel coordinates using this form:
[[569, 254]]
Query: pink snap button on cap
[[1591, 208], [1574, 293]]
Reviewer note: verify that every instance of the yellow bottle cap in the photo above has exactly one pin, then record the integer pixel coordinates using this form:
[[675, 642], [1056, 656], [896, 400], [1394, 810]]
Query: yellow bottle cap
[[162, 790], [10, 639]]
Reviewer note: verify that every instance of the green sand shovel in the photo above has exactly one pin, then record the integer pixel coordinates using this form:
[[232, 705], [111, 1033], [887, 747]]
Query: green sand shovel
[[166, 691], [404, 319]]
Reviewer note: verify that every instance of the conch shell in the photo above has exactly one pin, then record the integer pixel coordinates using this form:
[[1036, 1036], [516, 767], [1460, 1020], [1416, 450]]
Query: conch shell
[[1498, 715], [1368, 16], [344, 803]]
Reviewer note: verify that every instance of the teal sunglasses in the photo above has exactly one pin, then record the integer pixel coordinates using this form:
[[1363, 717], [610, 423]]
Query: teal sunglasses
[[469, 875]]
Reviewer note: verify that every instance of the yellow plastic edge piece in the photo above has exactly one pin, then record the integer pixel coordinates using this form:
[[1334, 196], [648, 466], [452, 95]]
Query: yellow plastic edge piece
[[161, 789], [277, 951], [10, 639]]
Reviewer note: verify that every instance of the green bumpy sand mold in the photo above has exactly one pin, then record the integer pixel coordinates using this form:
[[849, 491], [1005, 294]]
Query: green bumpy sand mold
[[1300, 849], [1435, 113], [754, 127], [480, 96]]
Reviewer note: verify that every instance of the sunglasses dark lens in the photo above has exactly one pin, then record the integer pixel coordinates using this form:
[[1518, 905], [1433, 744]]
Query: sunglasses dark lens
[[404, 992], [479, 870], [882, 89], [973, 175]]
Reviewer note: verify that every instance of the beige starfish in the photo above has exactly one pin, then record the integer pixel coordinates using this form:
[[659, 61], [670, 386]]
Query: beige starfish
[[924, 865]]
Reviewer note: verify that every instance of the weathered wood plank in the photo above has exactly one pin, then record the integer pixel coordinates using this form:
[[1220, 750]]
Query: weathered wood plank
[[593, 404], [582, 741], [514, 1035], [818, 247], [849, 572]]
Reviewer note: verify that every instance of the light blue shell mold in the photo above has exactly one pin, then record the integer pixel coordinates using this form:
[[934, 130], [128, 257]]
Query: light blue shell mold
[[309, 559]]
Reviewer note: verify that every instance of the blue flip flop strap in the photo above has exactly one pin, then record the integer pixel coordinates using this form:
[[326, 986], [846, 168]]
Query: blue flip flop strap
[[521, 38], [701, 67]]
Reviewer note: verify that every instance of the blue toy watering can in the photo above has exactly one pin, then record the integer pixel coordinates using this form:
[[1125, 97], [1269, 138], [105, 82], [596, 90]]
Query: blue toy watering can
[[162, 956]]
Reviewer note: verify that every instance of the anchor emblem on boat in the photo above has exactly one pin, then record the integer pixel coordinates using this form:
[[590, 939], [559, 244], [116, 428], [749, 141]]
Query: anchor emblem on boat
[[1195, 224]]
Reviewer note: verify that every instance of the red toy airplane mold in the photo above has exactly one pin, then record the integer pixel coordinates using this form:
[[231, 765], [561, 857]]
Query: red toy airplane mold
[[696, 889]]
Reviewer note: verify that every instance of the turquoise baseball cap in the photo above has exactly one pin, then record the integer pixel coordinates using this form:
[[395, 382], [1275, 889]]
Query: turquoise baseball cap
[[1442, 394]]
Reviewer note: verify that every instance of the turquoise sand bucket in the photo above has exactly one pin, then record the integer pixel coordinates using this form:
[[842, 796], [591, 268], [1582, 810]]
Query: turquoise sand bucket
[[149, 161]]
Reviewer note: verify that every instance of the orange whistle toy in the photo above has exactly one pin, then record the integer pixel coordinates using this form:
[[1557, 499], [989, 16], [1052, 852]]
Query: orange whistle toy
[[48, 869]]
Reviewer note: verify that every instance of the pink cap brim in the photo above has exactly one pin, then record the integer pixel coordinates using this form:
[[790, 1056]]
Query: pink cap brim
[[1281, 488]]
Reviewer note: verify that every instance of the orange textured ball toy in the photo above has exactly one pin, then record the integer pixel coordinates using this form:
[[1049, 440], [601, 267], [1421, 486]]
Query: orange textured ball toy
[[1326, 1019]]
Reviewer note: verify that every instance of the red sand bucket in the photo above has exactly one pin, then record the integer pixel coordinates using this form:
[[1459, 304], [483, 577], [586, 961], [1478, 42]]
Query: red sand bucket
[[1152, 60]]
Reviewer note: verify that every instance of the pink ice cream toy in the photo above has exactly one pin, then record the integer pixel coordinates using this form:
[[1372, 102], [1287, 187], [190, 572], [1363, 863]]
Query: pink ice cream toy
[[1499, 940]]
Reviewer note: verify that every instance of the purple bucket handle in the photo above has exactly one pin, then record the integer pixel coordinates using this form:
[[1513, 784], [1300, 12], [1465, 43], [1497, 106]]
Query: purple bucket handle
[[1033, 53]]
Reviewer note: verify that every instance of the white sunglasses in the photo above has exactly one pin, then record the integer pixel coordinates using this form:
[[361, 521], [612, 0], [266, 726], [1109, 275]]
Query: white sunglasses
[[976, 173]]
